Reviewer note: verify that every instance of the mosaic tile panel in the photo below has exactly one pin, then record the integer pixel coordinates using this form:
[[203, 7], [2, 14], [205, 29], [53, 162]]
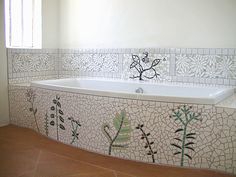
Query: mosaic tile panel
[[28, 65], [163, 68], [149, 131], [89, 63], [206, 66]]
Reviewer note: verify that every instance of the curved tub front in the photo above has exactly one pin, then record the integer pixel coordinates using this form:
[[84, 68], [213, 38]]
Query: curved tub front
[[177, 126]]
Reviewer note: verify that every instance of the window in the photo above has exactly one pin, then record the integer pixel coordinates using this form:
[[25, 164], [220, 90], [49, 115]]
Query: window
[[23, 22]]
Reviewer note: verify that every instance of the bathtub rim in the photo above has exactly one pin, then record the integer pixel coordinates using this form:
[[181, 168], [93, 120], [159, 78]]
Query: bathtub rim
[[116, 94]]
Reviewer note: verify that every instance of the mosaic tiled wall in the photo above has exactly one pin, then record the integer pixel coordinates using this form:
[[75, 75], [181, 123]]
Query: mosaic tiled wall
[[190, 135], [207, 66]]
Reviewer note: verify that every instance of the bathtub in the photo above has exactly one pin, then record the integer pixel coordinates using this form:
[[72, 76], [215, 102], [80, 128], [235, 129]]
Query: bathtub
[[128, 89], [108, 117]]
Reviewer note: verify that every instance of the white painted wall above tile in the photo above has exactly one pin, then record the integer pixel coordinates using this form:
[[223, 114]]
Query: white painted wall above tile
[[144, 24]]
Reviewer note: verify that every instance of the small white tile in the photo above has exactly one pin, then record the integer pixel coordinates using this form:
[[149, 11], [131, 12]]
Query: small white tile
[[231, 51], [206, 51], [212, 51], [225, 51], [218, 51], [194, 51], [178, 51], [183, 51], [189, 51], [200, 51]]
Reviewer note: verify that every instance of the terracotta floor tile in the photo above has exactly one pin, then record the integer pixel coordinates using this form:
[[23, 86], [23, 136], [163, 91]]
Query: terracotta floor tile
[[16, 160], [106, 174], [119, 174], [51, 164], [19, 152], [27, 174]]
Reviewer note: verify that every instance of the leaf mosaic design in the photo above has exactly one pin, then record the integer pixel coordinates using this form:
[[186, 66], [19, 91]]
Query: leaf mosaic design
[[184, 141], [57, 115], [122, 135]]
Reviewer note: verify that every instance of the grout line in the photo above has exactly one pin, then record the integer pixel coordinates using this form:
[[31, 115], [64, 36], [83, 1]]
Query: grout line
[[114, 172], [37, 162], [87, 163]]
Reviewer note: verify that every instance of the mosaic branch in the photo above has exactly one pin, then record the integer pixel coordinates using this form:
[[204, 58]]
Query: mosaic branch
[[31, 96]]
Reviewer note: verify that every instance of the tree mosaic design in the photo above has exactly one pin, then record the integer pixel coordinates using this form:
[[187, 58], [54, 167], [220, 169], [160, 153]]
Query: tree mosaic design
[[148, 143], [31, 96], [139, 65], [184, 141], [57, 115], [75, 124], [122, 132]]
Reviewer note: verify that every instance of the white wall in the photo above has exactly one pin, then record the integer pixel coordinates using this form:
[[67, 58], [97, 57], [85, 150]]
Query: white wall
[[4, 111], [50, 23], [147, 23]]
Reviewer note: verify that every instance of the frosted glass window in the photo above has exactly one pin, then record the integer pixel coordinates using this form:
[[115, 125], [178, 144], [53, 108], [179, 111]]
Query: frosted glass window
[[23, 22]]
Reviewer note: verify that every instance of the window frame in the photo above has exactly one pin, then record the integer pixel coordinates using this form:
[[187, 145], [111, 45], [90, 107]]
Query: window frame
[[35, 41]]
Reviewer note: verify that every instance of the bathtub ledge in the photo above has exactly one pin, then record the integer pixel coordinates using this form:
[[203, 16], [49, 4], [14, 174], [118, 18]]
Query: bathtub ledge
[[229, 102]]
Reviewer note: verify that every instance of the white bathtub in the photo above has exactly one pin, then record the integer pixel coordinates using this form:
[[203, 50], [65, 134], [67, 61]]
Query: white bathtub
[[126, 89]]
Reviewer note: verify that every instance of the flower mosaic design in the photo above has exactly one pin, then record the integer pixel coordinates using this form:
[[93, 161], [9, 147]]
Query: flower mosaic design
[[90, 62], [227, 67], [206, 66]]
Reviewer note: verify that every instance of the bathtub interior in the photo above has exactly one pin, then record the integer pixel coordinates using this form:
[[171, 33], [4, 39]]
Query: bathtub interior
[[161, 91]]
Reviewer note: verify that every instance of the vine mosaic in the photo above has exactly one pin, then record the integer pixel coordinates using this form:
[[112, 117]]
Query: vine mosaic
[[148, 66], [148, 144], [143, 66]]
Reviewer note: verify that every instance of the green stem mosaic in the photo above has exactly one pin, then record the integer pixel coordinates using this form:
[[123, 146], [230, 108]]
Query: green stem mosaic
[[185, 116]]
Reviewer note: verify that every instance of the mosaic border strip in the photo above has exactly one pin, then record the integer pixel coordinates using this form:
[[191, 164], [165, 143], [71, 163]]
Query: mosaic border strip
[[113, 63]]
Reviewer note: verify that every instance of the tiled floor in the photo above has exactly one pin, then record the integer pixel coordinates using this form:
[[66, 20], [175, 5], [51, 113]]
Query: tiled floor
[[24, 153]]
